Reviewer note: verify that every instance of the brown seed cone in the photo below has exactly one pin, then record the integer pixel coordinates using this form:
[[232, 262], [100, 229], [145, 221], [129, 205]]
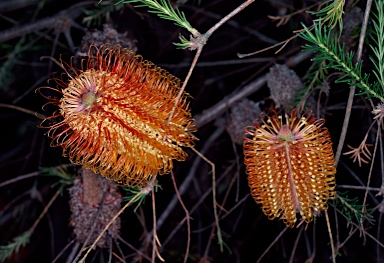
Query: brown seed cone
[[242, 115], [283, 84], [108, 35], [90, 211]]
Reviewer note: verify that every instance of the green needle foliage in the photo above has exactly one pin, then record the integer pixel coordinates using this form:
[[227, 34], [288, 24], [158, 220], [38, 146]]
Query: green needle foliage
[[332, 13], [314, 78], [331, 54], [95, 15], [14, 246], [138, 195], [164, 9], [185, 43], [327, 48], [65, 178], [352, 209], [378, 39], [132, 194]]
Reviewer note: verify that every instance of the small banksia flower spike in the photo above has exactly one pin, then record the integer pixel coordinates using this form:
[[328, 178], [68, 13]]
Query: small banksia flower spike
[[290, 166], [113, 116]]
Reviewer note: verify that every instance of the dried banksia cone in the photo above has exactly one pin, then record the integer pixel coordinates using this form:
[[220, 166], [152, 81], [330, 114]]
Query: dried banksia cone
[[283, 84], [113, 116], [242, 114], [290, 166], [108, 35], [89, 194]]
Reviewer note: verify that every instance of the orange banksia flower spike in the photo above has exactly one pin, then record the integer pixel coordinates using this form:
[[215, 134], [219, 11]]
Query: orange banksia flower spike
[[113, 116], [290, 166]]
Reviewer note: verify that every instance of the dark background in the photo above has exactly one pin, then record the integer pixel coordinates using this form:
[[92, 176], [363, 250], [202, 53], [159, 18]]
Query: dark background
[[247, 231]]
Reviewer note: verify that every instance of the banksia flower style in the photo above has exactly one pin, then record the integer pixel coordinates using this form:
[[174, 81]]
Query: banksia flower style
[[114, 113], [290, 166]]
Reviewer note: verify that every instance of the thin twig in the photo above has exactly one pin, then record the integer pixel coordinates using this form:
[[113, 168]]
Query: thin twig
[[353, 88], [21, 109], [291, 258], [110, 223], [358, 227], [49, 22], [228, 213], [227, 17], [270, 245], [381, 164], [202, 198], [337, 228], [378, 237], [46, 209], [200, 42], [378, 134], [155, 239], [218, 232], [330, 237], [177, 99], [186, 216], [250, 30], [284, 19], [374, 239], [120, 250], [73, 253], [219, 108], [26, 176], [365, 188], [133, 248], [7, 6], [281, 43], [63, 250], [357, 178], [21, 177], [218, 63], [186, 182], [313, 254], [110, 250]]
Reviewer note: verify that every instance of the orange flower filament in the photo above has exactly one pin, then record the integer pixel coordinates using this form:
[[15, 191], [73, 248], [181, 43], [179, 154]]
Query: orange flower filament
[[114, 116], [290, 166]]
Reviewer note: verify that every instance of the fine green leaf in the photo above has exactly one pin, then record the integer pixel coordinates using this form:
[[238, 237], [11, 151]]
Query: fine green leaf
[[65, 178], [138, 195], [314, 79], [185, 43], [6, 251], [327, 48], [163, 9], [95, 15], [377, 37], [352, 209], [332, 13]]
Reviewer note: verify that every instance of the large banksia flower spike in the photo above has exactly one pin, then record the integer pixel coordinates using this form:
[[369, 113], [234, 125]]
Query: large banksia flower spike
[[290, 166], [113, 116]]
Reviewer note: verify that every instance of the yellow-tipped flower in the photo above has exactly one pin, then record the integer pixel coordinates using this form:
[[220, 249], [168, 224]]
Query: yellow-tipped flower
[[290, 166], [113, 116]]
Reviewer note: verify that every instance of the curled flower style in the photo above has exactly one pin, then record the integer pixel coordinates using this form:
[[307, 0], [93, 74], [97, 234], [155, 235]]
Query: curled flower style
[[290, 166], [113, 116]]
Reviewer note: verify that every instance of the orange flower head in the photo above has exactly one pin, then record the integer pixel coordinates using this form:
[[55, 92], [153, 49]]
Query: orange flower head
[[290, 166], [114, 116]]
